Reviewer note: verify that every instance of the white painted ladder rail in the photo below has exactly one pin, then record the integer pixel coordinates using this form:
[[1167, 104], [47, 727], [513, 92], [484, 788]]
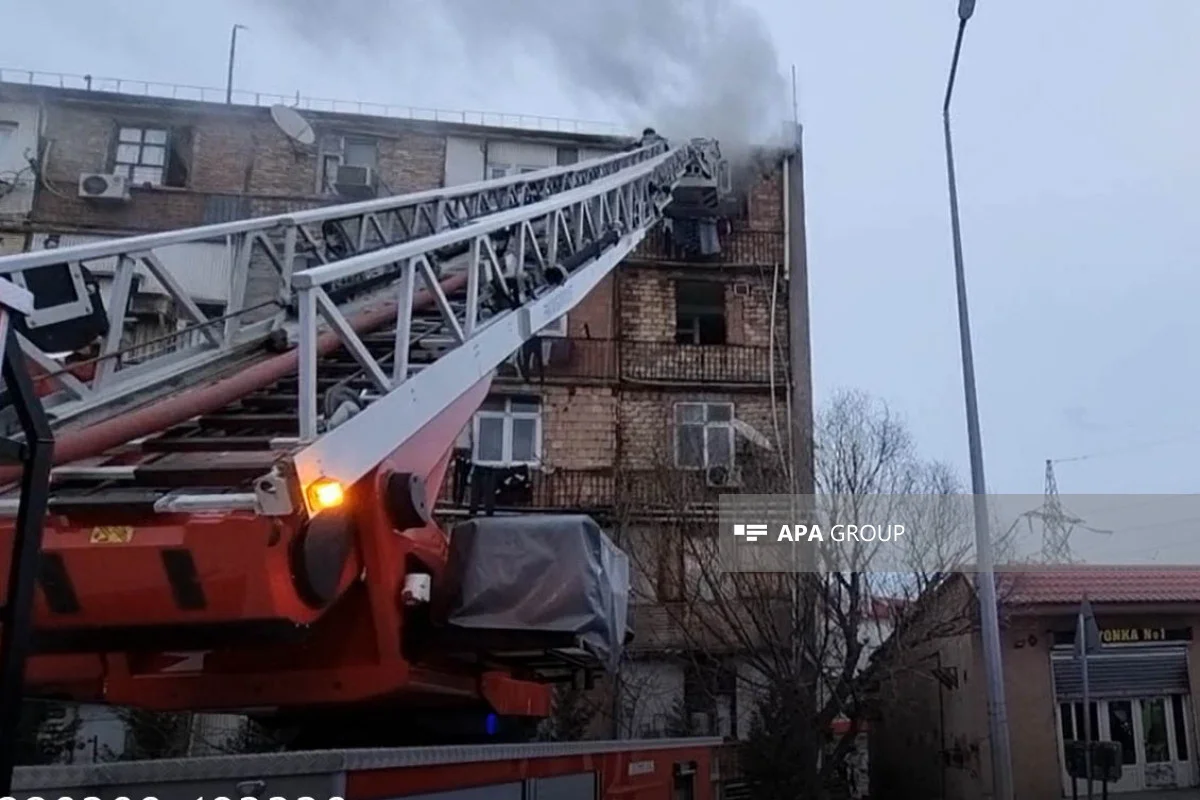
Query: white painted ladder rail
[[211, 342], [620, 208]]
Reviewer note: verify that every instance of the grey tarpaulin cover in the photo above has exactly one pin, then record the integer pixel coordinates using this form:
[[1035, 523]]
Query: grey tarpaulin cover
[[554, 574]]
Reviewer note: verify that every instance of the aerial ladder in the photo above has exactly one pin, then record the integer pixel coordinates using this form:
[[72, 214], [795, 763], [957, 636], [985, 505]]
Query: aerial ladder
[[241, 514]]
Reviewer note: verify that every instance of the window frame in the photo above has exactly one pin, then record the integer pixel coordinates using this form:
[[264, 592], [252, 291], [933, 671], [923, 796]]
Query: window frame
[[10, 128], [327, 153], [126, 168], [704, 425], [507, 416]]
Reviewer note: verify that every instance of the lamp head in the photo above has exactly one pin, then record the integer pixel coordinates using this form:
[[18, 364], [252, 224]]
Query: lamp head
[[965, 9]]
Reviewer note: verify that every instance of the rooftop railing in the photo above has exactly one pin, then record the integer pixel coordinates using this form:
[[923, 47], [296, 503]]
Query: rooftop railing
[[209, 94]]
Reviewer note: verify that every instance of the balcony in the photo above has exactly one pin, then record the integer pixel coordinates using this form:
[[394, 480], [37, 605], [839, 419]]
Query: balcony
[[474, 489], [727, 364], [738, 248], [603, 491], [560, 359], [570, 360]]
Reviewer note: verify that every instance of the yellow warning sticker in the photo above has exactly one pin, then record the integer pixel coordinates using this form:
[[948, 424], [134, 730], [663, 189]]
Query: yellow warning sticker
[[111, 534]]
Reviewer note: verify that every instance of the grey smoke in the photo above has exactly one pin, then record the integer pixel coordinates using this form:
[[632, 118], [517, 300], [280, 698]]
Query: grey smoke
[[686, 67]]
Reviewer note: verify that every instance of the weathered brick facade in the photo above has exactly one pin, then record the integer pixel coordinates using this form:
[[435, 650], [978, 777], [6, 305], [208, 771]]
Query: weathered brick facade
[[229, 152], [609, 391]]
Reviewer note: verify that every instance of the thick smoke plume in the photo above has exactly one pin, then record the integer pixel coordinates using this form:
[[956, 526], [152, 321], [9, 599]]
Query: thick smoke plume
[[686, 67]]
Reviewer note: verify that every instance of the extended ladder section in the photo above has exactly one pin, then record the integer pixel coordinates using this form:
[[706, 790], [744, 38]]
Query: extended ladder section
[[385, 312], [239, 514]]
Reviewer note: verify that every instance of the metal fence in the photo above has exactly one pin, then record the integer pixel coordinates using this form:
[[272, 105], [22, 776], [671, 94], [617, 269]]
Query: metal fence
[[738, 247], [567, 359], [725, 364], [209, 94]]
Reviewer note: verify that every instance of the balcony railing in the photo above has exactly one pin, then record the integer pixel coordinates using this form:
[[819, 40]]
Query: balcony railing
[[624, 493], [563, 360], [699, 363], [738, 247], [480, 489], [556, 358]]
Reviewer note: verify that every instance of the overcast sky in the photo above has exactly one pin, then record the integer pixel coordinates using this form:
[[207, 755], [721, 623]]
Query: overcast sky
[[1077, 154]]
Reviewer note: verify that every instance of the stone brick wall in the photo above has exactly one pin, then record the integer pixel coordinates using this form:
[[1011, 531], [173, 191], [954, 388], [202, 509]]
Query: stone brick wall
[[593, 318], [764, 201], [646, 421], [237, 151], [579, 427], [646, 303]]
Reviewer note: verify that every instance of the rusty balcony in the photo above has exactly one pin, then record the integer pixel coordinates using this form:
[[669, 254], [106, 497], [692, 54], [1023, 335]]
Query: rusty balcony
[[557, 360], [739, 247], [475, 489], [723, 364]]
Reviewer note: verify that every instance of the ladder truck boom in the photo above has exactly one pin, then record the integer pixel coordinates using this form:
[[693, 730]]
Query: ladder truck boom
[[240, 515]]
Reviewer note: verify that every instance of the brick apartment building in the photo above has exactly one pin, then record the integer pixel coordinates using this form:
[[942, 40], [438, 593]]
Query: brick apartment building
[[676, 365]]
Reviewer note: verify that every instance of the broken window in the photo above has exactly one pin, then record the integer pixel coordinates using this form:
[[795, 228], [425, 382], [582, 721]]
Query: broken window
[[508, 431], [151, 155], [703, 435], [699, 312]]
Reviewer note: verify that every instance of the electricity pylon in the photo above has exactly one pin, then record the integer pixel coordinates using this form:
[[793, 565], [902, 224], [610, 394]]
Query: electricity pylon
[[1057, 524]]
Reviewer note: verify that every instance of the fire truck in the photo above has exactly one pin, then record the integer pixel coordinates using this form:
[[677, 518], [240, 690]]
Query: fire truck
[[239, 515]]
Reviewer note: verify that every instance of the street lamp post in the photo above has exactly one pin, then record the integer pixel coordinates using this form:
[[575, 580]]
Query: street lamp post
[[232, 53], [1001, 753]]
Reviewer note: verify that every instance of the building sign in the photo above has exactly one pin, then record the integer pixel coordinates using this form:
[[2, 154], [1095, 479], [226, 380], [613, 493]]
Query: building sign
[[1130, 635]]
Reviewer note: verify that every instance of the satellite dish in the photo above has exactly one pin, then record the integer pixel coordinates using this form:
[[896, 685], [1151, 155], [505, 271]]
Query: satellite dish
[[294, 126]]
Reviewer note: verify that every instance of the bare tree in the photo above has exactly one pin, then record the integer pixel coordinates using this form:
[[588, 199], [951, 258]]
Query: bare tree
[[799, 642]]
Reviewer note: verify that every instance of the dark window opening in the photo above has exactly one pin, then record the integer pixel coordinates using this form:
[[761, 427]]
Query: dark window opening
[[699, 312], [567, 155], [710, 698], [1181, 739]]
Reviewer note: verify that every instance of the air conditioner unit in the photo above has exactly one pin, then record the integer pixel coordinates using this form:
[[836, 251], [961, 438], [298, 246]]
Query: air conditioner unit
[[101, 186], [723, 477], [354, 181]]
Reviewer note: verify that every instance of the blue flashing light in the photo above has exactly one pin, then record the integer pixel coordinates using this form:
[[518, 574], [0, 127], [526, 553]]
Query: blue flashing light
[[492, 725]]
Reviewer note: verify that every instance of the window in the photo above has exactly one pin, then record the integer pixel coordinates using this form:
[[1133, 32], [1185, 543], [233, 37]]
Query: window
[[703, 435], [7, 131], [495, 170], [349, 151], [567, 155], [508, 431], [359, 153], [142, 155], [699, 312]]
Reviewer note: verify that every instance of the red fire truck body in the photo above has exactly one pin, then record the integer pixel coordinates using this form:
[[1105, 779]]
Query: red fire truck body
[[664, 769]]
